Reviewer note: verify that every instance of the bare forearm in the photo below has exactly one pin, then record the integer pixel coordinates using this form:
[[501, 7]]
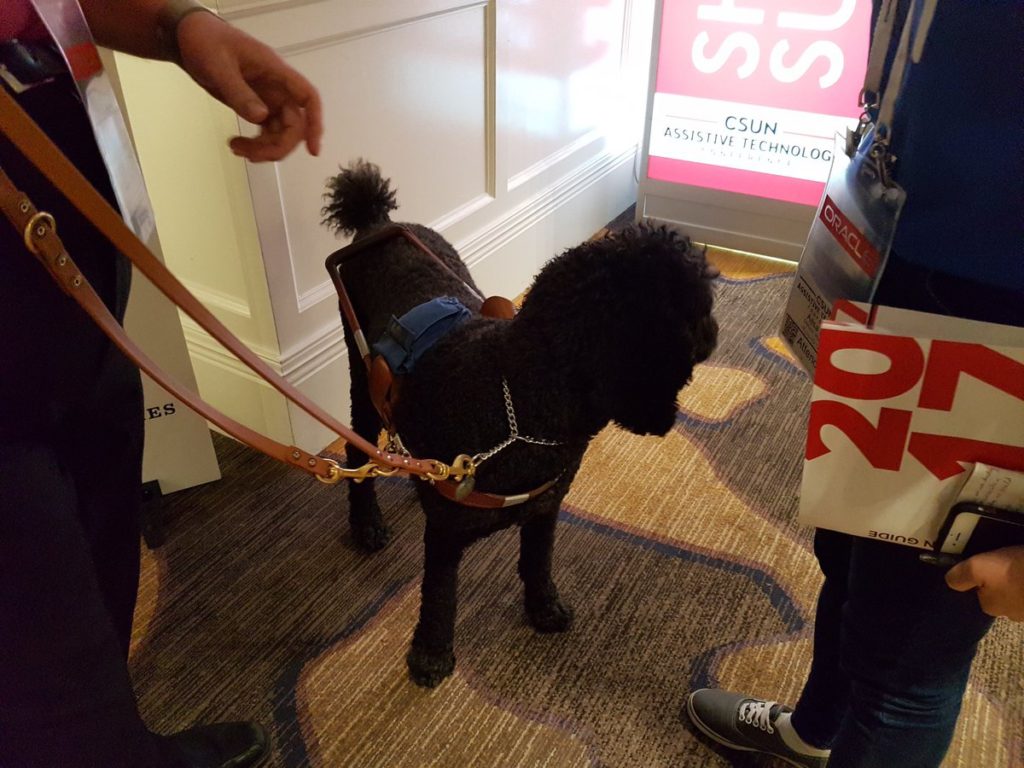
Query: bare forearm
[[233, 67], [128, 25]]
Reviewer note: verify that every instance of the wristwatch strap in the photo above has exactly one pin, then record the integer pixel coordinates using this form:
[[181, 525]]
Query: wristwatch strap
[[167, 21]]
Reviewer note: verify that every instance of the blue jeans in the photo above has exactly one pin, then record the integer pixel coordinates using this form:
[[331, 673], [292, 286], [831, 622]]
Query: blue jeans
[[893, 645]]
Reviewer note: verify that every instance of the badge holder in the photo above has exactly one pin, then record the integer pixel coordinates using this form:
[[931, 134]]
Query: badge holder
[[855, 224]]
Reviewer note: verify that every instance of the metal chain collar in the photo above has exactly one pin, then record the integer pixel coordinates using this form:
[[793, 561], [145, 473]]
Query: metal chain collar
[[514, 435], [463, 467]]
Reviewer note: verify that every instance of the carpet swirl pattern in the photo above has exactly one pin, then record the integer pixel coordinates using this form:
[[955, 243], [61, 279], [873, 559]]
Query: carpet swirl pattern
[[681, 557]]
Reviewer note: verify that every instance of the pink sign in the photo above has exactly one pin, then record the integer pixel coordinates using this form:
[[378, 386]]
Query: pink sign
[[749, 94]]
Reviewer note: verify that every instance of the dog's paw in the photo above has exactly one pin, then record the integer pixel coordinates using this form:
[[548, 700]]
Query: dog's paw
[[549, 616], [371, 537], [428, 668]]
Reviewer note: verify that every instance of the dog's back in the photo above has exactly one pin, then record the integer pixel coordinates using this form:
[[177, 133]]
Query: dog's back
[[393, 277]]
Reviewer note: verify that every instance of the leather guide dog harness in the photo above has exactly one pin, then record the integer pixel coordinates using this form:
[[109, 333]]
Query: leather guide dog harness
[[405, 340], [40, 235]]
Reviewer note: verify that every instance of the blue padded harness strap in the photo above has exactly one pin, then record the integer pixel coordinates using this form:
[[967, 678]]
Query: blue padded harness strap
[[408, 337]]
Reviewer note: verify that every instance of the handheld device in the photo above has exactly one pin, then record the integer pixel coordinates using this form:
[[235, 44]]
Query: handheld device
[[971, 528]]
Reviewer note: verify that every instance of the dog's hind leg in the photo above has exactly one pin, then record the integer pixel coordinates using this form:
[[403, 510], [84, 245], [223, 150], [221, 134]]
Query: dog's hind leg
[[364, 515], [544, 609], [431, 658]]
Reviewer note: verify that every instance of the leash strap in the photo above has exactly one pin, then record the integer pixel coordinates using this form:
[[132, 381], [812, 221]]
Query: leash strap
[[41, 239]]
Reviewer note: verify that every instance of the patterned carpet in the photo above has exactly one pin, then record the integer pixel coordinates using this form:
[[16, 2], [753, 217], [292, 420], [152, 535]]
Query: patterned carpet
[[680, 556]]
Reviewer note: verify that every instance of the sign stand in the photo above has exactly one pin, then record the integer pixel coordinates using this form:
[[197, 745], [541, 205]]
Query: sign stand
[[742, 111]]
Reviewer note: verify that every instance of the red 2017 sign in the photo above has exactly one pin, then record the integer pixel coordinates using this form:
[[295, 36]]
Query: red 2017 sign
[[884, 444]]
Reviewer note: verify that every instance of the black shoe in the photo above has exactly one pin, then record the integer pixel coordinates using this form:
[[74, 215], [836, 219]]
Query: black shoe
[[221, 745], [743, 722]]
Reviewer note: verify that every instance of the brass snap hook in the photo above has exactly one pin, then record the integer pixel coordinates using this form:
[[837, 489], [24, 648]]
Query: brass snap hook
[[333, 474]]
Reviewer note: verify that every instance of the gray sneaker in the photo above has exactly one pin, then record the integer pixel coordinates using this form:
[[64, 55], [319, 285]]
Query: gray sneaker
[[741, 722]]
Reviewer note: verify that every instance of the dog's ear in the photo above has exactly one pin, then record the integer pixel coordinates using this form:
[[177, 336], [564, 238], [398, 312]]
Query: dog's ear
[[630, 316]]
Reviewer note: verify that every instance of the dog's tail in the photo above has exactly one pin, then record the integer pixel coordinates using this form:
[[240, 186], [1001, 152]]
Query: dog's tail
[[357, 198]]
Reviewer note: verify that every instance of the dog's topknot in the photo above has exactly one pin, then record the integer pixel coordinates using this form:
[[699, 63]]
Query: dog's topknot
[[357, 198]]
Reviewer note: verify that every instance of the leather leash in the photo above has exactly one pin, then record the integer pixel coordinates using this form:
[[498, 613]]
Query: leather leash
[[40, 235]]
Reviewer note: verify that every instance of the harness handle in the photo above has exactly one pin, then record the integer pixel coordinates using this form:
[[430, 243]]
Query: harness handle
[[383, 385]]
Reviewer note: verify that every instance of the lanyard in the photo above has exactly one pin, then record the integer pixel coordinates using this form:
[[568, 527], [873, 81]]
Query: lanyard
[[66, 23], [880, 42], [912, 37]]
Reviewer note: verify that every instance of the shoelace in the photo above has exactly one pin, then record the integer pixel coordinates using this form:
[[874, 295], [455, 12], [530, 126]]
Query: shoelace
[[759, 711]]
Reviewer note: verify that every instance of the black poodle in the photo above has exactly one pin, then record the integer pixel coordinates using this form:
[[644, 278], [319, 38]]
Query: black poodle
[[609, 331]]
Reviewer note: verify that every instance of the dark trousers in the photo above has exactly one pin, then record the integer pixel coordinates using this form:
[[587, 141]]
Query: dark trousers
[[893, 645], [70, 471]]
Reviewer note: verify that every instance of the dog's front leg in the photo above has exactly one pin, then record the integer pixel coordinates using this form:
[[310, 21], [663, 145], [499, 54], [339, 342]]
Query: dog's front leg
[[544, 609], [431, 658], [364, 516]]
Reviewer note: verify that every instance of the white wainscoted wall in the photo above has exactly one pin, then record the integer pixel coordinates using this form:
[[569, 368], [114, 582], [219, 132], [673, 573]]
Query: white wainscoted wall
[[511, 126]]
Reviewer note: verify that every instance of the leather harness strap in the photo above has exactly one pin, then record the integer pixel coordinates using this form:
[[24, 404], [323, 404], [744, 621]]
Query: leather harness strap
[[384, 386], [41, 239], [384, 389], [483, 500], [334, 263]]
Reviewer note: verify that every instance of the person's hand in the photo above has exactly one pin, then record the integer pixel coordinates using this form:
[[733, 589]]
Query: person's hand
[[999, 578], [255, 82]]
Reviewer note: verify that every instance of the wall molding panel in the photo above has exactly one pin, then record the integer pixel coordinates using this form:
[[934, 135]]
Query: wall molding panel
[[500, 124], [552, 160], [213, 299], [491, 240]]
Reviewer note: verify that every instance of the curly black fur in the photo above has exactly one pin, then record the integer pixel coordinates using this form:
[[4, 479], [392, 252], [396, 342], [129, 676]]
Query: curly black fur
[[610, 331], [357, 198]]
